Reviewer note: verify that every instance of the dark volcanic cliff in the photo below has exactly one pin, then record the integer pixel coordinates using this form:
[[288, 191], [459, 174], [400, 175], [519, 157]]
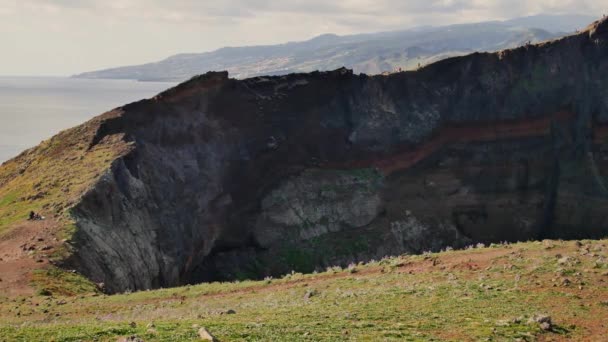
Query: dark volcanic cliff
[[227, 179]]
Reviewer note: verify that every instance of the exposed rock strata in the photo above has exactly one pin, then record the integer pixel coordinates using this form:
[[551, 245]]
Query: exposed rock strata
[[230, 179]]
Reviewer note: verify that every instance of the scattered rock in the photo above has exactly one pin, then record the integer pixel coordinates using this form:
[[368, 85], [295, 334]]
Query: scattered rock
[[310, 293], [205, 335], [133, 338], [544, 321], [230, 312], [45, 292], [542, 318], [517, 320]]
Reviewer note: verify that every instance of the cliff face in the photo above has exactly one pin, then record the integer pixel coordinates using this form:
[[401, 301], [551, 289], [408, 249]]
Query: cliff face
[[227, 179]]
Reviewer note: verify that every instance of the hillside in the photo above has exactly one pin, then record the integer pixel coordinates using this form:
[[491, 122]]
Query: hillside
[[542, 291], [222, 179], [364, 53]]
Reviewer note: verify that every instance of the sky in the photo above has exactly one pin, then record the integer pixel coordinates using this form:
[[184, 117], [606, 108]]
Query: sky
[[64, 37]]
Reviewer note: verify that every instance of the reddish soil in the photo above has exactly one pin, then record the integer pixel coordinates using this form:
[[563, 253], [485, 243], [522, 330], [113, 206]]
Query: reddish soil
[[24, 249], [472, 132]]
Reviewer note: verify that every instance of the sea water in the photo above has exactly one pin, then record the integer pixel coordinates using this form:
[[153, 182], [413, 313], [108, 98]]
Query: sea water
[[36, 108]]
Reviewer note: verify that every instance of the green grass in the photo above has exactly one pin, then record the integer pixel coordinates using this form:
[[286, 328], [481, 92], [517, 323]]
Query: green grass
[[59, 282], [51, 177], [431, 297], [8, 199]]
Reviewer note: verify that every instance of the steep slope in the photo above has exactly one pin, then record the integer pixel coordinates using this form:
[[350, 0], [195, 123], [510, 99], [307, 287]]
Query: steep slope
[[49, 179], [365, 53], [220, 179]]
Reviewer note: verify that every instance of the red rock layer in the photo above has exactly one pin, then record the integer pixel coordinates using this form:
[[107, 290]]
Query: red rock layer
[[477, 132]]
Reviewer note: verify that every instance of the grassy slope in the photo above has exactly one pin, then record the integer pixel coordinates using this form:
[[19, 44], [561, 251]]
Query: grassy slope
[[52, 176], [477, 294], [49, 179]]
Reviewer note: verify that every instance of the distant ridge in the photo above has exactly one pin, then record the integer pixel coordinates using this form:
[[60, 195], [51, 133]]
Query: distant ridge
[[371, 53]]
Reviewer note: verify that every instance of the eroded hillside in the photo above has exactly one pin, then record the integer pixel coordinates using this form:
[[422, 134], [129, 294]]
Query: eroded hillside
[[221, 179]]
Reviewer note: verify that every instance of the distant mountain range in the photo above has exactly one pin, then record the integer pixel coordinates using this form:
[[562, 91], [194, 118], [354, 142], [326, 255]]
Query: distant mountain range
[[371, 53]]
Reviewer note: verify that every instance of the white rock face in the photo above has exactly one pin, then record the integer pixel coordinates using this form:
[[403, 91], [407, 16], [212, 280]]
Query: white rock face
[[318, 202]]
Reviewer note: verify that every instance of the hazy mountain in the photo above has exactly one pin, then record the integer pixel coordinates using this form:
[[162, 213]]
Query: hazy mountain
[[364, 53], [553, 23]]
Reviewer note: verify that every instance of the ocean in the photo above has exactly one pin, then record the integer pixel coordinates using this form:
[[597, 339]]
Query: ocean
[[33, 109]]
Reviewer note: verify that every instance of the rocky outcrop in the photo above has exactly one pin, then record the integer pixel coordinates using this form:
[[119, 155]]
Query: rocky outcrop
[[230, 179]]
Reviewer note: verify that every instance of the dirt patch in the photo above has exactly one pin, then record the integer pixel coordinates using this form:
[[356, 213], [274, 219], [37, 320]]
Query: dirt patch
[[23, 249]]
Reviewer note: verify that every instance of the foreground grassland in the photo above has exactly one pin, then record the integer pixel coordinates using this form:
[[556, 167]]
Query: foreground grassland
[[476, 294]]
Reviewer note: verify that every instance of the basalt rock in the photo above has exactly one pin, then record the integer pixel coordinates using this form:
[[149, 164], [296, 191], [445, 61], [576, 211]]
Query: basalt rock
[[227, 179]]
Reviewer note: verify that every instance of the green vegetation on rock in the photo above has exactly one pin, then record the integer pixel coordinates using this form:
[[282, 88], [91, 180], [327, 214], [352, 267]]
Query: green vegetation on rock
[[58, 282]]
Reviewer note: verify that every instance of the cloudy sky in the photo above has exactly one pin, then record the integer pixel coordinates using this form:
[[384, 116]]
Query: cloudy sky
[[62, 37]]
